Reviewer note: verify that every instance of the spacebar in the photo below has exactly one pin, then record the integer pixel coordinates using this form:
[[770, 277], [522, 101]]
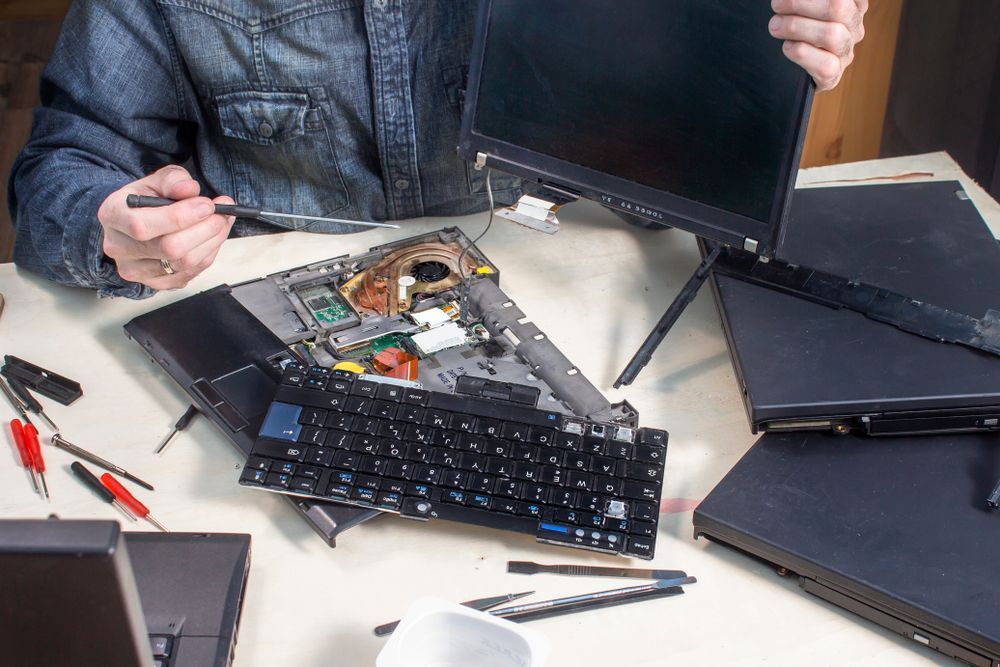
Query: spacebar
[[493, 409]]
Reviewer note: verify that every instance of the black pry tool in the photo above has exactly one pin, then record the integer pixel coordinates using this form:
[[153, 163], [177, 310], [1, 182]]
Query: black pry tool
[[179, 425], [142, 201], [30, 402], [95, 485], [528, 567], [480, 604]]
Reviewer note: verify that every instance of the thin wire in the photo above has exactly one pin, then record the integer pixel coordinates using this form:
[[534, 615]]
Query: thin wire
[[466, 280]]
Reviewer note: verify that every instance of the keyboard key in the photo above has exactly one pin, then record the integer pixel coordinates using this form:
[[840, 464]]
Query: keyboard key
[[592, 520], [389, 392], [313, 416], [419, 490], [609, 486], [367, 482], [312, 472], [374, 465], [468, 442], [436, 418], [490, 427], [580, 481], [644, 471], [533, 510], [647, 454], [309, 398], [259, 463], [619, 450], [480, 483], [400, 470], [566, 516], [364, 495], [644, 511], [541, 436], [472, 462], [571, 441], [253, 476], [358, 405], [338, 490], [282, 422], [589, 503], [529, 472], [394, 487], [321, 456], [640, 490], [278, 479], [364, 444], [495, 447], [447, 458], [617, 525], [339, 420], [278, 450], [553, 475], [315, 383], [367, 425], [639, 546], [454, 479], [391, 448], [346, 460], [344, 477], [428, 474], [422, 453], [603, 465], [390, 429], [494, 410], [499, 467], [536, 493], [287, 468], [312, 435], [463, 423], [410, 414], [480, 501], [508, 488], [550, 456], [415, 397], [390, 500], [643, 528], [653, 436], [514, 431], [339, 385], [365, 388], [444, 438], [562, 497], [576, 461], [417, 433], [302, 484], [507, 506], [456, 497], [525, 452]]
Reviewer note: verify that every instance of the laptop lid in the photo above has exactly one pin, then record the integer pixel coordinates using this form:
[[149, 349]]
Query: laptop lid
[[684, 112], [84, 592], [897, 531], [804, 365]]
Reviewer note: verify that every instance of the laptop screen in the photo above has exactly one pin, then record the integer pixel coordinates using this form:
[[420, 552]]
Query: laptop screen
[[681, 107]]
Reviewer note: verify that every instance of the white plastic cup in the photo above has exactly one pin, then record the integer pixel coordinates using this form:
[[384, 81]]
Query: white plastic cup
[[437, 633]]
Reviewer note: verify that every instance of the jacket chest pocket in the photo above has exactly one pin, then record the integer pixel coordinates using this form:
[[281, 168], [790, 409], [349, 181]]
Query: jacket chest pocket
[[280, 153]]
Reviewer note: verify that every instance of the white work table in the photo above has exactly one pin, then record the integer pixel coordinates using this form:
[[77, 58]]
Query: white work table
[[596, 288]]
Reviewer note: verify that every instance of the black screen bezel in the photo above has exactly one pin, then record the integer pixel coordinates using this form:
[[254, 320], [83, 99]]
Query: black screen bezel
[[647, 202]]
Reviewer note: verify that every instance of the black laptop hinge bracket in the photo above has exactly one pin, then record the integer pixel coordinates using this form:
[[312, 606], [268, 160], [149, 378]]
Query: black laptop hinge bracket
[[882, 305]]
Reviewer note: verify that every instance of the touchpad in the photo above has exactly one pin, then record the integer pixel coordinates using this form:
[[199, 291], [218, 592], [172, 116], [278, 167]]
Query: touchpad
[[249, 390]]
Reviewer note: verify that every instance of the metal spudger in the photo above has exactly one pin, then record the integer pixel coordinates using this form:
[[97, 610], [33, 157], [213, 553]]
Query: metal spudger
[[63, 443], [482, 604], [142, 201], [529, 567]]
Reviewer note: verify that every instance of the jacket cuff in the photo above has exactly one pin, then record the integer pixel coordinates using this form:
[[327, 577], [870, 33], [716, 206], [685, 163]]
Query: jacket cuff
[[83, 248]]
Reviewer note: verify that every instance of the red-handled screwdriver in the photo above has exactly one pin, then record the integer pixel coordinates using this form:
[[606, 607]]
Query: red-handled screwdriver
[[17, 431], [128, 500], [95, 485], [35, 451]]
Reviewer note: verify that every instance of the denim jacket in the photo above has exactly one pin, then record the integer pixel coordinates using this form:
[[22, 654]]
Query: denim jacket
[[338, 108]]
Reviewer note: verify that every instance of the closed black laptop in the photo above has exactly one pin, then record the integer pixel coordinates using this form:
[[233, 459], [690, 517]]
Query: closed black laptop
[[896, 531], [85, 593], [802, 365]]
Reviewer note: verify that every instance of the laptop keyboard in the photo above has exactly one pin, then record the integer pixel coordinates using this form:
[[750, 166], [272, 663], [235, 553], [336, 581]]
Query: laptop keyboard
[[161, 645], [494, 461]]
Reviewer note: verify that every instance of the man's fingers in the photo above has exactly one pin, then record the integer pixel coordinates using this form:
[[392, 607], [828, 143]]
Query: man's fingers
[[145, 224], [176, 245], [832, 37], [172, 181], [825, 68], [850, 13], [150, 272]]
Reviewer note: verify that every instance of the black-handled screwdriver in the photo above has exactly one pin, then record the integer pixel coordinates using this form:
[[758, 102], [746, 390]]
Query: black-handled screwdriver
[[240, 211], [30, 402], [95, 485], [180, 425]]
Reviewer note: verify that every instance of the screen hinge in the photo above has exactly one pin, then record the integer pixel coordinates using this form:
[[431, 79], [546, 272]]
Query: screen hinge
[[750, 245], [538, 210], [480, 161]]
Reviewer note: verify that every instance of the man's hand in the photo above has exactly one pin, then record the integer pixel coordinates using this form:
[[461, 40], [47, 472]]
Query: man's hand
[[187, 234], [820, 35]]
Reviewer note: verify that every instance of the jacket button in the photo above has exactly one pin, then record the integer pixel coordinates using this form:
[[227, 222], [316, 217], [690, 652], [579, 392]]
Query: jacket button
[[265, 129], [402, 184]]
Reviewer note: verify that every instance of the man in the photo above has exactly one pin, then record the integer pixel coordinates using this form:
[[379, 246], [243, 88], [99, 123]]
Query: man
[[345, 108]]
